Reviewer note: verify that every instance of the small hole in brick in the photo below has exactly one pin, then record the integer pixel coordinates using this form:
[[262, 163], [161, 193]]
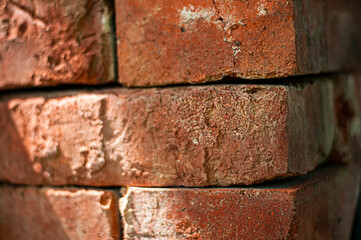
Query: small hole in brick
[[182, 29], [254, 90], [234, 27], [237, 43], [53, 61], [22, 28], [106, 199]]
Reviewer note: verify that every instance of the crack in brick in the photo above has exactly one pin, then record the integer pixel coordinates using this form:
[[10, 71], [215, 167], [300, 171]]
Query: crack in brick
[[225, 27]]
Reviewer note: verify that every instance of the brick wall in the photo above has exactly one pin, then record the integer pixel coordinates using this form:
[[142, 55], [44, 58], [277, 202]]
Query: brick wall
[[139, 119]]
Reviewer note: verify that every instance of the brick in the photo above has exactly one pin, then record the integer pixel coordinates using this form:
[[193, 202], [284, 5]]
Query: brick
[[45, 43], [347, 103], [178, 136], [170, 42], [320, 205], [58, 213]]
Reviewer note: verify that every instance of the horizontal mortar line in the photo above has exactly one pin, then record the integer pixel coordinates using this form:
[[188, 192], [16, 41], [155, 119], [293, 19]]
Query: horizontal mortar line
[[78, 187], [61, 88], [280, 183], [226, 80], [277, 183]]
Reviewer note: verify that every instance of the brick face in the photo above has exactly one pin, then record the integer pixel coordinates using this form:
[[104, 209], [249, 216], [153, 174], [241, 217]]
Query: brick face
[[347, 104], [45, 43], [167, 42], [58, 213], [192, 136], [319, 205]]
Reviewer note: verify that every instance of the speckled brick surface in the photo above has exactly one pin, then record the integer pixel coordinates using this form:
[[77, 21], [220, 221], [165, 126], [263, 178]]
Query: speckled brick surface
[[319, 205], [188, 41], [182, 136]]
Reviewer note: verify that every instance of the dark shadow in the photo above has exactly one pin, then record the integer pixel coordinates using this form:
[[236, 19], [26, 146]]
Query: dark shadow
[[356, 233], [27, 214], [15, 161]]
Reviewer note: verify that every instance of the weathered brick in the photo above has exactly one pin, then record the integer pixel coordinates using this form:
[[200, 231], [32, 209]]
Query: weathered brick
[[189, 41], [319, 205], [347, 103], [192, 135], [55, 213], [46, 43]]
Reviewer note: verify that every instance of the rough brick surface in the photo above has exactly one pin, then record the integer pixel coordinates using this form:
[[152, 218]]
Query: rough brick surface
[[319, 205], [191, 136], [46, 43], [189, 41], [66, 214]]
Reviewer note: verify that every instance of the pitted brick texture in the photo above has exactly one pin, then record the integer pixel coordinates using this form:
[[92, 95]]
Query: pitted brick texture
[[58, 213], [319, 205], [191, 136], [45, 43], [189, 41]]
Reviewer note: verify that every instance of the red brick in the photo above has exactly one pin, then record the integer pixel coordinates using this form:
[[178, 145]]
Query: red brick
[[48, 213], [192, 136], [319, 205], [46, 43], [189, 41]]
